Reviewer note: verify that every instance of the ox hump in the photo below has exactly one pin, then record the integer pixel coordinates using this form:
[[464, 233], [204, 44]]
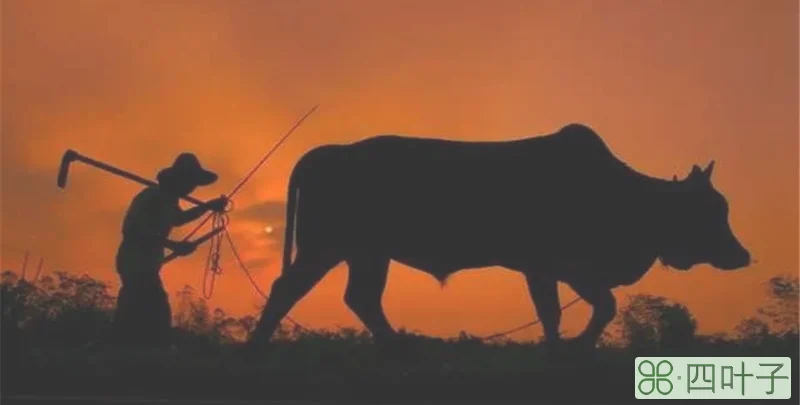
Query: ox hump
[[583, 137]]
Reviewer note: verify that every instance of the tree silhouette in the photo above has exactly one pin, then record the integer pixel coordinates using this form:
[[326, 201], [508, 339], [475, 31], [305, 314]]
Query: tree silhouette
[[752, 330], [59, 310], [196, 323], [647, 322], [64, 309], [782, 309], [778, 317]]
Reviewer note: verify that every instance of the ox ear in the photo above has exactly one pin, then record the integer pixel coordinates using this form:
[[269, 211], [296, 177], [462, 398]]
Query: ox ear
[[708, 170], [696, 176], [696, 171], [701, 176]]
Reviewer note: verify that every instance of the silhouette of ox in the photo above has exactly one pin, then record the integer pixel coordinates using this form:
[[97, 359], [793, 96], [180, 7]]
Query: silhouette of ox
[[558, 207]]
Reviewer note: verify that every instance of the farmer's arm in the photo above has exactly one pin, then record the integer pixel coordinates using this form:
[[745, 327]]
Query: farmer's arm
[[173, 244], [183, 217]]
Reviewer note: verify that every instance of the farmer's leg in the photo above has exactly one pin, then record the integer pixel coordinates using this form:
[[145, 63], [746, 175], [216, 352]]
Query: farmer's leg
[[138, 327], [162, 316], [123, 324], [150, 311], [129, 268], [138, 308]]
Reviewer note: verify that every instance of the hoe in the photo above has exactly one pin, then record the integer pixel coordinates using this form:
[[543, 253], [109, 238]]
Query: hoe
[[72, 156]]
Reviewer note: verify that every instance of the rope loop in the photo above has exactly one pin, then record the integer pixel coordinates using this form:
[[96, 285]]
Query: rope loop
[[213, 268]]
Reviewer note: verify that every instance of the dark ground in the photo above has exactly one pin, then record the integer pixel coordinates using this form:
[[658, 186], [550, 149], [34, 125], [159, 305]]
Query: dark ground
[[46, 327], [338, 370]]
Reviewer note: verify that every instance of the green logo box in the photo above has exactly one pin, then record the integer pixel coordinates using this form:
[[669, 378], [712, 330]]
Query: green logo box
[[713, 378]]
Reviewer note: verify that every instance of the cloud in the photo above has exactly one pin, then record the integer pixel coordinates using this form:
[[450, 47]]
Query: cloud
[[257, 248], [258, 263], [268, 211], [252, 221]]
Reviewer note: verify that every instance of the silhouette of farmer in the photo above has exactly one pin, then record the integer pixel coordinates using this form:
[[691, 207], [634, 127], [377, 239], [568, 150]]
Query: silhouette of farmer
[[143, 315]]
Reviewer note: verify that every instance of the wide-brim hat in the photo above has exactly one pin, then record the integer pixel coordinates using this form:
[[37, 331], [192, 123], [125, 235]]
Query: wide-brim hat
[[187, 168]]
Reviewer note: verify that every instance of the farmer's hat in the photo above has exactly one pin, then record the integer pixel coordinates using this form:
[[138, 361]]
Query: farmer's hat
[[187, 168]]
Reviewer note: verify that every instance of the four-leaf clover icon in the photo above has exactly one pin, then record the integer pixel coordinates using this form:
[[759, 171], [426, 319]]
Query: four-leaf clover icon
[[655, 377]]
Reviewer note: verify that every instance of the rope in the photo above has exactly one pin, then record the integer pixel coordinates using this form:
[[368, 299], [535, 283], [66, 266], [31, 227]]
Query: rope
[[213, 269], [527, 325], [250, 277], [274, 148], [253, 171], [220, 220], [258, 290]]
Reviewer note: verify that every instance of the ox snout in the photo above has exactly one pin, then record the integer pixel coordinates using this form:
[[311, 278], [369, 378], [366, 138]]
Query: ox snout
[[735, 258]]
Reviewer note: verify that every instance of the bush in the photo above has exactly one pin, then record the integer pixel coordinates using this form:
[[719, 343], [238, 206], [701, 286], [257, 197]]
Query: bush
[[778, 317], [71, 310], [59, 310], [652, 322]]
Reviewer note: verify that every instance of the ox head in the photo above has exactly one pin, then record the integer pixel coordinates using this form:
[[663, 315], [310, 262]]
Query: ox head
[[697, 226]]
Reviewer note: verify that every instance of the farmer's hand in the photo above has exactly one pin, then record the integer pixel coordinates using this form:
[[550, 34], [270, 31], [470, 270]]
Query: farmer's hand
[[184, 248], [218, 204]]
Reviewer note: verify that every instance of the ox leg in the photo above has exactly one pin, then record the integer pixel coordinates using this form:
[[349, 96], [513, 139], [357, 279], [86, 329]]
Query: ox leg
[[365, 285], [604, 308], [544, 294], [287, 290]]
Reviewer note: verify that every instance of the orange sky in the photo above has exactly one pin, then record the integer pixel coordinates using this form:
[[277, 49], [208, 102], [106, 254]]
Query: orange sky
[[667, 83]]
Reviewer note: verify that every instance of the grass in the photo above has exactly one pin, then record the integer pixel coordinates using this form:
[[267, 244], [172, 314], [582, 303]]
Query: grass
[[347, 366], [46, 327]]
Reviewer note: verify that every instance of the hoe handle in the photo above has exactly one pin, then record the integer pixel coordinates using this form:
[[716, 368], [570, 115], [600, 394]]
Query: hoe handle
[[71, 156]]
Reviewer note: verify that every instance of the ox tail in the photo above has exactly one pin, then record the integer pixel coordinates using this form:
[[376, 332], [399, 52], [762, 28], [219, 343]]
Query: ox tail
[[291, 215]]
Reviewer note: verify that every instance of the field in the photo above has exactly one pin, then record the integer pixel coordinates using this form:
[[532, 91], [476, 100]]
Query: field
[[339, 367], [45, 354]]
